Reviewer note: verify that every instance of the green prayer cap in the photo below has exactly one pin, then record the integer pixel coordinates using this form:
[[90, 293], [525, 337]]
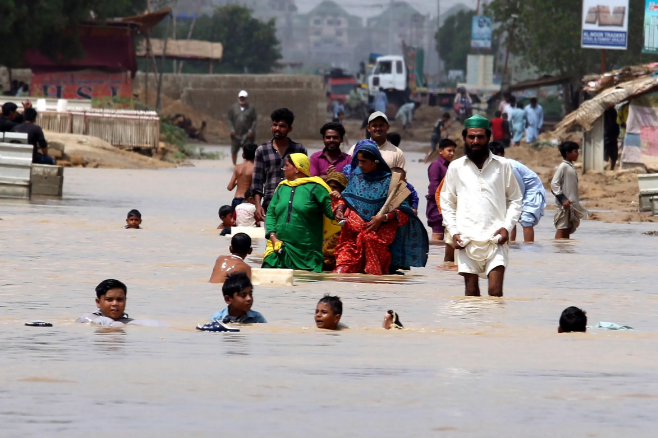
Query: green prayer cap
[[477, 121]]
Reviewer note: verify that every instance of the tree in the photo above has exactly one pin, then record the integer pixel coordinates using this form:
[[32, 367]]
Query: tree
[[547, 36], [51, 26], [455, 40], [250, 45]]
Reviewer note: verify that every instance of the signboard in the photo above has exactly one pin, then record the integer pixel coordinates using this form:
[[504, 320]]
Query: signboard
[[605, 24], [650, 27], [481, 32], [80, 85]]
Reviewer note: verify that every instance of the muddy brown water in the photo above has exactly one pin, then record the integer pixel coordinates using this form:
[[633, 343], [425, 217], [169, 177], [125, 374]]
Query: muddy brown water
[[464, 367]]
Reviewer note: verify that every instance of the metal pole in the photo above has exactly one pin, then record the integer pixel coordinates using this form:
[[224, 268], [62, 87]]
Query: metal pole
[[158, 102], [390, 29], [438, 39], [509, 43]]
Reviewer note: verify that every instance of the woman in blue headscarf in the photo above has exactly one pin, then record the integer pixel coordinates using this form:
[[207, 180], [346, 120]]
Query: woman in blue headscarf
[[370, 242]]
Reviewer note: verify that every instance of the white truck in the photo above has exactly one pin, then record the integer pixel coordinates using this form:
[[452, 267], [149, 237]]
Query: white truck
[[390, 73]]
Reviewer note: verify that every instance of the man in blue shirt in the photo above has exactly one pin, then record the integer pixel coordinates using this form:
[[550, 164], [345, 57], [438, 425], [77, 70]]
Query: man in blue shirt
[[238, 294], [532, 189]]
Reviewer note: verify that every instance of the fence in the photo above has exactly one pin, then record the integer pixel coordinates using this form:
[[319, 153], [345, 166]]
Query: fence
[[122, 128]]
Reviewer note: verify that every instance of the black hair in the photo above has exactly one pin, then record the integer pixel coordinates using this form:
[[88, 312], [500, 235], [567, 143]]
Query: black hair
[[512, 100], [135, 213], [340, 112], [446, 142], [225, 210], [283, 114], [249, 151], [249, 193], [235, 283], [367, 155], [241, 243], [498, 114], [400, 170], [573, 319], [533, 100], [30, 114], [394, 138], [445, 115], [8, 108], [567, 146], [333, 126], [334, 302], [505, 116], [497, 148], [108, 284]]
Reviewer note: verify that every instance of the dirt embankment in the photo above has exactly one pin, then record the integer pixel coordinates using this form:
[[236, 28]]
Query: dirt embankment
[[88, 151]]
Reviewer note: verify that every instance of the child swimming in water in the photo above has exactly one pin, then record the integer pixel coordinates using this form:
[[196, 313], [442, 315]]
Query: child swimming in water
[[238, 295], [134, 220], [226, 216], [328, 313], [572, 319], [240, 248], [111, 303]]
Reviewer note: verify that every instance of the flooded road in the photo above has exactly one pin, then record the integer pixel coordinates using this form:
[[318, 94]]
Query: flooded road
[[464, 367]]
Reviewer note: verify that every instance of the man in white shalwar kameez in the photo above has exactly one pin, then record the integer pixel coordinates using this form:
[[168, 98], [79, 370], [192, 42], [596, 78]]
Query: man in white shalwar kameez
[[534, 114], [481, 203]]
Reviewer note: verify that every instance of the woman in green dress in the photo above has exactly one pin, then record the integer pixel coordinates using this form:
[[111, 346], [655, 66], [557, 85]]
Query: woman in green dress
[[298, 219]]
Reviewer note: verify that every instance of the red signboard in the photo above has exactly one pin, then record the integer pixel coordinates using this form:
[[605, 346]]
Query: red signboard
[[79, 85]]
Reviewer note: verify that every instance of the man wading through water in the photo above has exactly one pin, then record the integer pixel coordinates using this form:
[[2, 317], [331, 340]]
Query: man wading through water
[[481, 203]]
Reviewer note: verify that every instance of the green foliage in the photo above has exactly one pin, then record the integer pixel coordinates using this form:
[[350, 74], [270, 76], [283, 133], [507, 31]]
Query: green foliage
[[50, 26], [547, 36], [250, 45], [455, 40]]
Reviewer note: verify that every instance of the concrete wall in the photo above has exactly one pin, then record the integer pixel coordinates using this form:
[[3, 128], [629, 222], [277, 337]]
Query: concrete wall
[[213, 95]]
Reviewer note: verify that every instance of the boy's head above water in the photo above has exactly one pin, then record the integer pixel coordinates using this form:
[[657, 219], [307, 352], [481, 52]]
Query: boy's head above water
[[134, 219], [573, 319], [249, 152], [328, 312], [238, 293], [241, 245], [226, 215], [111, 298]]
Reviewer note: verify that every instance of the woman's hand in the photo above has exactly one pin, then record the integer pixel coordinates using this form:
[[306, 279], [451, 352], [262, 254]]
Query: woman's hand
[[335, 195], [376, 222], [274, 240]]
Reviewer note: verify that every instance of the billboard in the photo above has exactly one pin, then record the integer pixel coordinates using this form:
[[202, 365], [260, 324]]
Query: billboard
[[80, 85], [605, 24], [650, 27], [481, 32]]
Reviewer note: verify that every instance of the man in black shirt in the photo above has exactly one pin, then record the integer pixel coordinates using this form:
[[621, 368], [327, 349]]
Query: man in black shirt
[[35, 137], [7, 120]]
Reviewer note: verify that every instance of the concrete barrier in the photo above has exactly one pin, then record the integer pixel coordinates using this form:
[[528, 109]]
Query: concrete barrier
[[271, 277], [15, 166], [304, 95]]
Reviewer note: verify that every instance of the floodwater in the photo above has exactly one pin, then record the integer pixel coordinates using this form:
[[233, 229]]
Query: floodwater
[[465, 366]]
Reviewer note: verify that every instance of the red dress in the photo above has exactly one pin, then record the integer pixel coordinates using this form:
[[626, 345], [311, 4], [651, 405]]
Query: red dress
[[360, 251], [497, 128]]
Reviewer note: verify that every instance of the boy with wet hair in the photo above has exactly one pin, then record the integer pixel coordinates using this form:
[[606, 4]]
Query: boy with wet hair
[[134, 220], [238, 295], [226, 216], [243, 175], [568, 211], [111, 303], [572, 319], [225, 265], [328, 312]]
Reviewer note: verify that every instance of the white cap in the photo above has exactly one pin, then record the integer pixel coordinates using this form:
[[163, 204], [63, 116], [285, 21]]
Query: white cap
[[243, 93], [376, 115]]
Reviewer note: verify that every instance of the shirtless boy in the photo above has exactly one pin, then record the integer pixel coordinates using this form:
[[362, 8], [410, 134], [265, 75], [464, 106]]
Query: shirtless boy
[[240, 248], [243, 174]]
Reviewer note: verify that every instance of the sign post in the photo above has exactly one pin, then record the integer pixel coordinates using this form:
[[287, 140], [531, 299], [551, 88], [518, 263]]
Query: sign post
[[605, 26], [481, 32], [650, 45]]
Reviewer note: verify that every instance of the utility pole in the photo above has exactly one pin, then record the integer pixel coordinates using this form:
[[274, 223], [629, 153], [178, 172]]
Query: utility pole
[[438, 49], [390, 28]]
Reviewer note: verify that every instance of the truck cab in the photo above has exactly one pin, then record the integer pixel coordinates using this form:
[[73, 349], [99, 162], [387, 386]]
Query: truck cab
[[390, 73]]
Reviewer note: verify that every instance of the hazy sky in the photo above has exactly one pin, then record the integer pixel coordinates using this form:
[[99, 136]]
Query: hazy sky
[[367, 8]]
